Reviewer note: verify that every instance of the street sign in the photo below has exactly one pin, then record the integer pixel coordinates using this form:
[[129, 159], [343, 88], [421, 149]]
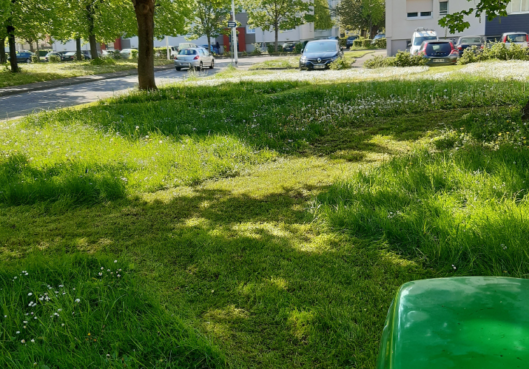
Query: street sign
[[232, 24]]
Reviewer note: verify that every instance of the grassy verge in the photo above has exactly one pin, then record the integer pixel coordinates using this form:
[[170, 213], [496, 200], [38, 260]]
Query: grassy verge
[[280, 63], [84, 311], [40, 72], [333, 196]]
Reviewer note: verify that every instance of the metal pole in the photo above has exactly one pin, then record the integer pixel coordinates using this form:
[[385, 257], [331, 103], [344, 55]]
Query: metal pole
[[234, 33]]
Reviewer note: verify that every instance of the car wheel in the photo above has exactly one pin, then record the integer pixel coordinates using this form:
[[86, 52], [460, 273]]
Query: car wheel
[[178, 69], [200, 67], [28, 61], [212, 64]]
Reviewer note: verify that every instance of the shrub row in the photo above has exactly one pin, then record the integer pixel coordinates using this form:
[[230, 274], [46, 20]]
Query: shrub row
[[496, 50], [402, 59]]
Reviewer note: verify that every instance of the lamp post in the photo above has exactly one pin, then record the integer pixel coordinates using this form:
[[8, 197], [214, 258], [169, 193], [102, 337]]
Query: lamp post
[[234, 33]]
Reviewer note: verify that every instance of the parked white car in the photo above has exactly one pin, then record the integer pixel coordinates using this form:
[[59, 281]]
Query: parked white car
[[518, 38], [196, 58], [127, 53], [419, 36]]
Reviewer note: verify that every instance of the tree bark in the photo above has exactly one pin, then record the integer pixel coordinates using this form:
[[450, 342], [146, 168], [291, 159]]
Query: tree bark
[[144, 10], [276, 29], [91, 33], [31, 48], [3, 58], [12, 49], [78, 48], [209, 44]]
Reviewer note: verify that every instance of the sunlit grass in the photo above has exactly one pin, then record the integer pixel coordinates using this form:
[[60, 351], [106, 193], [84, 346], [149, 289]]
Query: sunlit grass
[[40, 72], [286, 247]]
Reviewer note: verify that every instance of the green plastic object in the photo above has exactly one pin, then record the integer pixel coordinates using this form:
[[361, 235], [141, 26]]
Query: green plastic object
[[466, 322]]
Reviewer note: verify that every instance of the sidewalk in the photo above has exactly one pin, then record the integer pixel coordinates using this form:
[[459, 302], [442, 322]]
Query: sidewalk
[[39, 86]]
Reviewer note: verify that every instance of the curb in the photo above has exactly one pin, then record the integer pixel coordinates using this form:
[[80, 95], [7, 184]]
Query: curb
[[48, 85]]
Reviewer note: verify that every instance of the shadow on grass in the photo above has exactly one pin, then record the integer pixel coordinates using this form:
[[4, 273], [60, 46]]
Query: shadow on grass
[[250, 271]]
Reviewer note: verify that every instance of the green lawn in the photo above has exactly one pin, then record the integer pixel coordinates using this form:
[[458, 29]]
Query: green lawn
[[40, 72], [293, 62], [260, 224]]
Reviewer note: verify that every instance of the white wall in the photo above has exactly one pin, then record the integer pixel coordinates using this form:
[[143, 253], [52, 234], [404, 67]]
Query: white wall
[[399, 29], [68, 46], [173, 41]]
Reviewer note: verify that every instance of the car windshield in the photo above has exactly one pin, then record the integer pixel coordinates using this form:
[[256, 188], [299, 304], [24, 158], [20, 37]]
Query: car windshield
[[517, 38], [419, 40], [318, 47], [188, 52], [438, 48], [471, 40], [352, 37]]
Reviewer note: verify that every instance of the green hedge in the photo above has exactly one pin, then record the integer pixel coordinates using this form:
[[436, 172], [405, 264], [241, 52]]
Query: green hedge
[[357, 43], [55, 59], [402, 59], [380, 43], [35, 59], [367, 43], [494, 51]]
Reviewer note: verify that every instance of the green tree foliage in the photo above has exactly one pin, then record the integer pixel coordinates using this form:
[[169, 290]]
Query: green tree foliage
[[278, 15], [456, 22], [322, 15], [367, 15], [209, 18]]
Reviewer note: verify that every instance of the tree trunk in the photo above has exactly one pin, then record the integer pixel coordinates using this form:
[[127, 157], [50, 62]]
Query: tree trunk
[[38, 52], [276, 29], [78, 48], [12, 49], [209, 44], [91, 33], [31, 48], [3, 58], [144, 10], [525, 112]]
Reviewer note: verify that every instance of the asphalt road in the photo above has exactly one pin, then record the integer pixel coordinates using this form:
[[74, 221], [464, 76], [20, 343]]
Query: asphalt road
[[22, 104], [25, 103]]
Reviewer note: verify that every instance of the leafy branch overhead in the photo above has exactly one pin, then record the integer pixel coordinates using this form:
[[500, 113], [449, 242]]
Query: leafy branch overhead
[[456, 22]]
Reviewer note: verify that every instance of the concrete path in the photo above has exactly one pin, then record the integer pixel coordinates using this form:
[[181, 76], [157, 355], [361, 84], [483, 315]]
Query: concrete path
[[360, 61]]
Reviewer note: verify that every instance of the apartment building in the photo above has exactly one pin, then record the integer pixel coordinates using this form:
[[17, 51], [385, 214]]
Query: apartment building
[[404, 16]]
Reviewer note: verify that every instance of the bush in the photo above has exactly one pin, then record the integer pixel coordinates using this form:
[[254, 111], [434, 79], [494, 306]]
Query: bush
[[35, 59], [494, 51], [402, 59], [160, 52], [380, 43], [55, 59], [75, 58], [134, 54], [257, 49], [340, 64], [357, 43], [298, 48], [342, 42], [367, 43], [271, 48], [102, 61]]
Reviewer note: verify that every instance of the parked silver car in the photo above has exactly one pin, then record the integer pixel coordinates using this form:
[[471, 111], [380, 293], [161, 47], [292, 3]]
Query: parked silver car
[[196, 58]]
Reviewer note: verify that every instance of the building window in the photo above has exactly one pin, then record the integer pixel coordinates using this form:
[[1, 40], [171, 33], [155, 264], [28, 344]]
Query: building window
[[443, 8], [518, 6], [250, 30], [419, 9]]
